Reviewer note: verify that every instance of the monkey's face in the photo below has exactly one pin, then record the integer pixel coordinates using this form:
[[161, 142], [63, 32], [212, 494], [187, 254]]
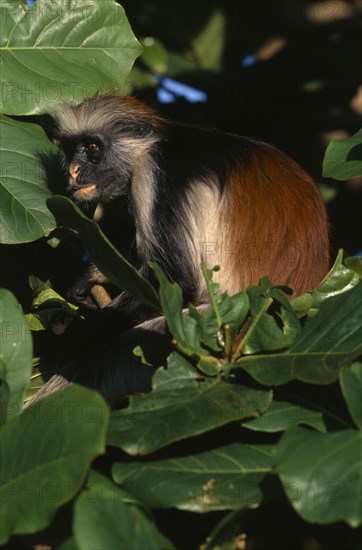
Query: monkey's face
[[95, 172]]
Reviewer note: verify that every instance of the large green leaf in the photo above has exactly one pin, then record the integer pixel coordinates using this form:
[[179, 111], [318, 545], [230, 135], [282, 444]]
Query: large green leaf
[[155, 420], [321, 474], [228, 477], [114, 266], [16, 353], [106, 516], [343, 158], [45, 454], [62, 51], [328, 340], [350, 379], [24, 216]]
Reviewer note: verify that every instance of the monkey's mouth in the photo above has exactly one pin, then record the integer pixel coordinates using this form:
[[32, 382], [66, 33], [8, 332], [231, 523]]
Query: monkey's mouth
[[83, 191]]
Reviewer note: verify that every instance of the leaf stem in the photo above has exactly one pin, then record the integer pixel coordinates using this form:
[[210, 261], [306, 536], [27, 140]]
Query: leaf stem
[[209, 283], [228, 341], [251, 330], [185, 351]]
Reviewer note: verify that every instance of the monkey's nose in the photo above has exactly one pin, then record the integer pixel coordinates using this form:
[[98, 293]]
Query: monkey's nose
[[74, 170]]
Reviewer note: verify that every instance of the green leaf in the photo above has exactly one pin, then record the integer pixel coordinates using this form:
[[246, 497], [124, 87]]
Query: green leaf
[[16, 353], [214, 291], [265, 333], [350, 379], [155, 420], [302, 304], [225, 311], [154, 55], [24, 216], [327, 341], [339, 279], [106, 516], [62, 51], [343, 158], [34, 322], [224, 478], [225, 533], [321, 474], [60, 436], [49, 308], [184, 329], [180, 63], [179, 374], [46, 295], [138, 352], [208, 46], [4, 394], [107, 258], [280, 415]]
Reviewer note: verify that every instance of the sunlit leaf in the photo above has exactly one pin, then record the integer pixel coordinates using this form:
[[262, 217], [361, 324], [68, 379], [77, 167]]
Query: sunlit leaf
[[24, 216], [328, 340], [62, 51]]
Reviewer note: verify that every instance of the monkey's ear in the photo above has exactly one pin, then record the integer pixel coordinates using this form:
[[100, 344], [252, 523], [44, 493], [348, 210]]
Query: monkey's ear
[[56, 142]]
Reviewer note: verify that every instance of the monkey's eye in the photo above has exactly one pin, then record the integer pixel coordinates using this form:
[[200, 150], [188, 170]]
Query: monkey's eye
[[92, 146]]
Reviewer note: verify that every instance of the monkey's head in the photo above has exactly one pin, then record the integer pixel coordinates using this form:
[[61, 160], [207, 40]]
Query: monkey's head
[[103, 139]]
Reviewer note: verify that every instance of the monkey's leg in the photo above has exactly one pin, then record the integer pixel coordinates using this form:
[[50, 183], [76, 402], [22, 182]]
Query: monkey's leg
[[109, 364]]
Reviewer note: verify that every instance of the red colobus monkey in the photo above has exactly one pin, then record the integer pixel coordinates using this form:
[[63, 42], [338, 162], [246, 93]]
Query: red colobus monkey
[[197, 196]]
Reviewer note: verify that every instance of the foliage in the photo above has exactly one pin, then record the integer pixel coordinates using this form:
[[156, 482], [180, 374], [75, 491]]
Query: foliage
[[23, 191], [87, 41], [258, 403], [314, 454], [15, 356], [343, 158], [62, 434]]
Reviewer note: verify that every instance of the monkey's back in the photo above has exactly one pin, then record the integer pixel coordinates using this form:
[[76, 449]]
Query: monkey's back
[[275, 221], [245, 206]]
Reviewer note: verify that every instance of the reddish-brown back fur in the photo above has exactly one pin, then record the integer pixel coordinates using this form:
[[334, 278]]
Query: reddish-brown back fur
[[276, 222]]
